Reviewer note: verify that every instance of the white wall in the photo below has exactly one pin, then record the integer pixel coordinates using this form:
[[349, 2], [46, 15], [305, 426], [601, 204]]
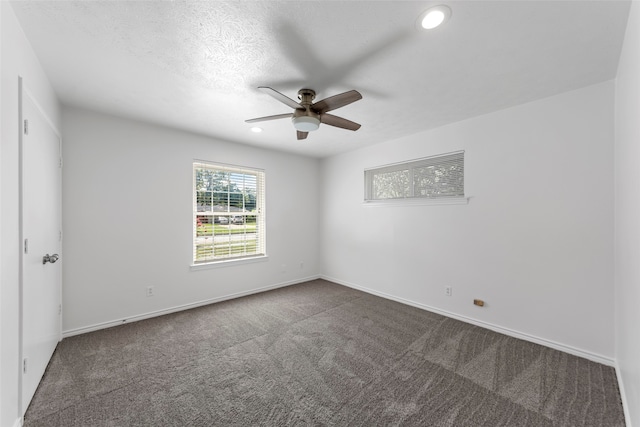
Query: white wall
[[18, 59], [535, 241], [627, 214], [127, 203]]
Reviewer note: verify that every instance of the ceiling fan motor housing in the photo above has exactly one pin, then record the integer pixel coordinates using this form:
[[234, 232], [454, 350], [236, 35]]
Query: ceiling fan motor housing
[[306, 120]]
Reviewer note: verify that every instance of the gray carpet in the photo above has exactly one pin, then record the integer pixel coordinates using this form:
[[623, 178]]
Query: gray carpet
[[317, 353]]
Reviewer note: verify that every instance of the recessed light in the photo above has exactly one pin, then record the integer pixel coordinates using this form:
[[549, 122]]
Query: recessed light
[[256, 129], [434, 17]]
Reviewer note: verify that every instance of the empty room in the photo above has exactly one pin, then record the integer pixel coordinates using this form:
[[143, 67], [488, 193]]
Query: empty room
[[336, 213]]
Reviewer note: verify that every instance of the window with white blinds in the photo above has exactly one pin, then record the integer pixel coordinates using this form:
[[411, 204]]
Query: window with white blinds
[[437, 177], [228, 213]]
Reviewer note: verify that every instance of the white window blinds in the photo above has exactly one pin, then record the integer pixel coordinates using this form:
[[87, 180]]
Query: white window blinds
[[437, 177], [228, 212]]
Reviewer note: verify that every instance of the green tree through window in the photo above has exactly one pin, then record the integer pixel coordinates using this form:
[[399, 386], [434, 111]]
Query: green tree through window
[[436, 177], [228, 212]]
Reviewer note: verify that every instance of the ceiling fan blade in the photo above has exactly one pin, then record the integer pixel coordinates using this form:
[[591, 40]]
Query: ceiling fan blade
[[264, 119], [336, 101], [330, 119], [302, 135], [280, 97]]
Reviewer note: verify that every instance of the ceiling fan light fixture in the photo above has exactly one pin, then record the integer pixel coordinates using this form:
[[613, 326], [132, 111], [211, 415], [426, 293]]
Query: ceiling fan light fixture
[[306, 123], [434, 17]]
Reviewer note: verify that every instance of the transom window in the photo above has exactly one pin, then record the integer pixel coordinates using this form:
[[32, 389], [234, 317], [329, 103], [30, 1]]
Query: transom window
[[437, 177], [228, 212]]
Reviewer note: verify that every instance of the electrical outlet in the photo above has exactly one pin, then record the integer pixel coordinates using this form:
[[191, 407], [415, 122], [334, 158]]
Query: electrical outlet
[[151, 291], [448, 291]]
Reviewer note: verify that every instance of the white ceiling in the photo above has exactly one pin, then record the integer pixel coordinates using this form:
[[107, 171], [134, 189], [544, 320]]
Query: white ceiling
[[195, 65]]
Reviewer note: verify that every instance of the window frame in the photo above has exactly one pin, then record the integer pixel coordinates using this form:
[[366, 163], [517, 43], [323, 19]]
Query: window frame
[[198, 262], [410, 198]]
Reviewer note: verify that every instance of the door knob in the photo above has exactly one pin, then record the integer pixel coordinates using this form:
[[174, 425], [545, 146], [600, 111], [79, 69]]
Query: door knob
[[50, 258]]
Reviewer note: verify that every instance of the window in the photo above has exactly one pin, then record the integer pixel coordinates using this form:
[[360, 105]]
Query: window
[[228, 213], [437, 177]]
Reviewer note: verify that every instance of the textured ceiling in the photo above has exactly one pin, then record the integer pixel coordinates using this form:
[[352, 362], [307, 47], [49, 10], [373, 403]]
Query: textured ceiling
[[195, 65]]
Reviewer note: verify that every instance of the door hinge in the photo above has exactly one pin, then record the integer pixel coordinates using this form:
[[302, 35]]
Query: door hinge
[[24, 365], [26, 246], [26, 127], [60, 163], [59, 309], [59, 235]]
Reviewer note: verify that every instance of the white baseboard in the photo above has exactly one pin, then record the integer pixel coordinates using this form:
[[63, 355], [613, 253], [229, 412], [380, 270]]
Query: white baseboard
[[623, 396], [116, 322], [506, 331], [510, 332], [18, 422]]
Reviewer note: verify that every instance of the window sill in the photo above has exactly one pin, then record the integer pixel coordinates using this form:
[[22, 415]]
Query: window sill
[[228, 263], [417, 202]]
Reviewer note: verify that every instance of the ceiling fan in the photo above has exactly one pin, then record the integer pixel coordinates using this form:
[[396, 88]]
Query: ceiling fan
[[308, 115]]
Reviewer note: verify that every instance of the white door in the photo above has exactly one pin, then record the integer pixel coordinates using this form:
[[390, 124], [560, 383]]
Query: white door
[[41, 235]]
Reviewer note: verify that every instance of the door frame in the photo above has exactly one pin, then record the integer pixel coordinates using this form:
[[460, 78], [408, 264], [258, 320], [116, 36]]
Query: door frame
[[23, 91]]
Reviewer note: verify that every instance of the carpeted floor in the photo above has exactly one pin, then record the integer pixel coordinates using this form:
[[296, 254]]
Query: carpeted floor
[[317, 353]]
